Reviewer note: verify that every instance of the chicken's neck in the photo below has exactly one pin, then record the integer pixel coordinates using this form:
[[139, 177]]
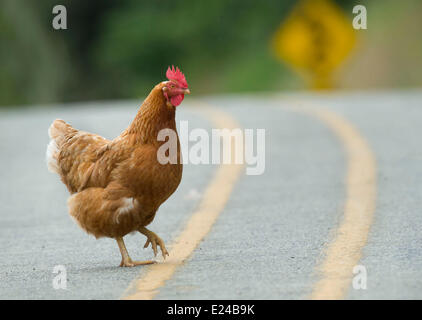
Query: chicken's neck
[[153, 116]]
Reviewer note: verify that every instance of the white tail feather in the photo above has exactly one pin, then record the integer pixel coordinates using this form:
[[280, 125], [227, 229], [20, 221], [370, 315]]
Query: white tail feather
[[51, 156]]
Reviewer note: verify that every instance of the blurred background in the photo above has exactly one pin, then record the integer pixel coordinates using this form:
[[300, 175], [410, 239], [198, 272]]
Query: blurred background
[[119, 49]]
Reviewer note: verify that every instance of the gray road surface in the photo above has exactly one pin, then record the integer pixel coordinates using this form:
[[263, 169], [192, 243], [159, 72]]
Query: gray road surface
[[271, 236]]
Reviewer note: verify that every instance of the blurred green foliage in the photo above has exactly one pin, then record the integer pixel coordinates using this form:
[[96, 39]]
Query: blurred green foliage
[[220, 45], [119, 49]]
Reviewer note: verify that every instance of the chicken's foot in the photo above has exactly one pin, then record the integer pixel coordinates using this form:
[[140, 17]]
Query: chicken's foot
[[154, 240], [126, 260]]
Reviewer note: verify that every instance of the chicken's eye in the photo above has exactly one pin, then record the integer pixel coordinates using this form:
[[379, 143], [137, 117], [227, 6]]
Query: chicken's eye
[[172, 86]]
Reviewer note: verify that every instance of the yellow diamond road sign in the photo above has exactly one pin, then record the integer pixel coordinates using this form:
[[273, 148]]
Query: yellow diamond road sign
[[315, 38]]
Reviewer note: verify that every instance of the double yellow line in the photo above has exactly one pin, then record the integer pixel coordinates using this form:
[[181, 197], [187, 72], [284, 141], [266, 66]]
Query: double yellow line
[[344, 251]]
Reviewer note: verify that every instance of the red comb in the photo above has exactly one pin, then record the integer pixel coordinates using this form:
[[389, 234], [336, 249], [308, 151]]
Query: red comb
[[177, 75]]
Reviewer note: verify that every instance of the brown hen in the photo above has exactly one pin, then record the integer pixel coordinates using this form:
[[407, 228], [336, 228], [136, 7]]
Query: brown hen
[[117, 186]]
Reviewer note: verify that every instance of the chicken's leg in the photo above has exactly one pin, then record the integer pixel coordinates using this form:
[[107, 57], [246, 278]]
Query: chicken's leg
[[154, 240], [126, 260]]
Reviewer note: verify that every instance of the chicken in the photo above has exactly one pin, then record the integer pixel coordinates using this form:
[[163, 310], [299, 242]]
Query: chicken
[[117, 186]]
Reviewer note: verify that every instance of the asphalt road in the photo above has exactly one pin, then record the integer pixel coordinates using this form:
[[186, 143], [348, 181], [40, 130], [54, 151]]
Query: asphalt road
[[272, 235]]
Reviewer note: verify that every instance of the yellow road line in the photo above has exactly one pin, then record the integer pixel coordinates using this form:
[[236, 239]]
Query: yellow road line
[[200, 223], [344, 251]]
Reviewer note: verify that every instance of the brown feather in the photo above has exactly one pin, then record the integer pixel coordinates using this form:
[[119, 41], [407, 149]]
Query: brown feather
[[117, 186]]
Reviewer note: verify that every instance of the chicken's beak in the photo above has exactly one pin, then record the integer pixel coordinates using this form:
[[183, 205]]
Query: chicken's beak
[[186, 91]]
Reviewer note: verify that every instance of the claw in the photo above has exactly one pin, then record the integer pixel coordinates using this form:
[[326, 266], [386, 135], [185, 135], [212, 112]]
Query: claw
[[153, 239], [126, 264], [130, 263], [147, 243], [163, 249]]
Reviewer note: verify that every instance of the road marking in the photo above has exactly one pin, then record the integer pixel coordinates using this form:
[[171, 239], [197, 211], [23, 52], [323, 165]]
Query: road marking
[[345, 250], [200, 223]]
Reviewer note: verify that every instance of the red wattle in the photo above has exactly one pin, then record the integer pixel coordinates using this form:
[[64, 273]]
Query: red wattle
[[176, 100]]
